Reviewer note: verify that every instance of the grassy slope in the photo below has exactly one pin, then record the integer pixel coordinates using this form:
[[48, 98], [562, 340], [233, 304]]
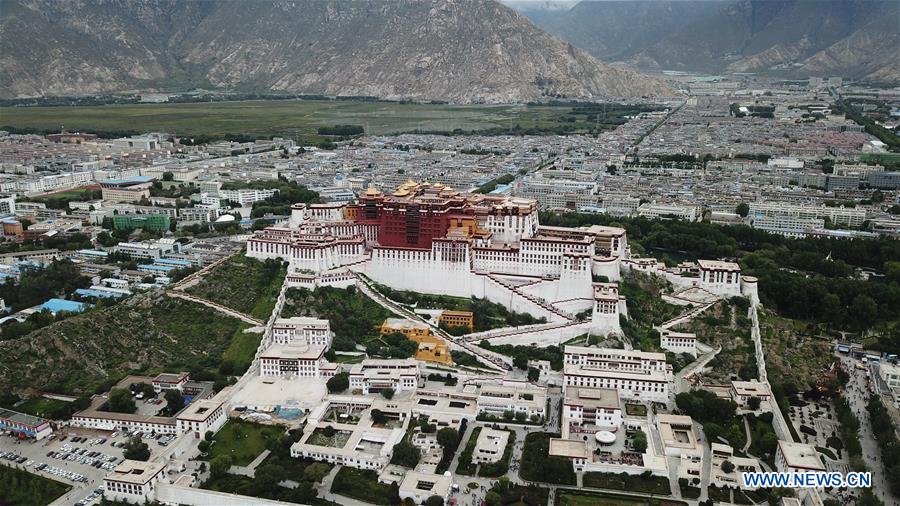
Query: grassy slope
[[244, 284], [355, 318], [791, 351], [726, 325], [144, 334]]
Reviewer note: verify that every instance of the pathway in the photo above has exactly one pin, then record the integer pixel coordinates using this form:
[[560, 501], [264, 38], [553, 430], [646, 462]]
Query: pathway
[[218, 307], [250, 469], [491, 359]]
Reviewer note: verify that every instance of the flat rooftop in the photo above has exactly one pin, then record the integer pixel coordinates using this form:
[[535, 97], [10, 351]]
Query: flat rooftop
[[677, 431], [568, 448], [22, 418], [718, 265], [800, 455], [135, 472], [607, 398]]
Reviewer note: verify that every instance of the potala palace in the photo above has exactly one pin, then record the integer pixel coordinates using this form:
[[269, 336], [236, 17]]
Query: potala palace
[[429, 238]]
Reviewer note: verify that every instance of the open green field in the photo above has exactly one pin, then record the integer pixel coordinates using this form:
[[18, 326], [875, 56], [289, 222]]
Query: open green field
[[569, 497], [21, 488], [39, 406], [300, 118], [243, 441]]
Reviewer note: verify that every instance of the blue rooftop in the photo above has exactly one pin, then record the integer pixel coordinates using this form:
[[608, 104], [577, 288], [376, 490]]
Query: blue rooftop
[[172, 261], [132, 179], [57, 305], [87, 292], [160, 268]]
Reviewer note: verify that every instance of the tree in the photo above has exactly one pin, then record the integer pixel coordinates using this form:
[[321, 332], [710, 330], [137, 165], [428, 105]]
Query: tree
[[315, 472], [338, 383], [640, 441], [378, 417], [727, 466], [521, 416], [521, 362], [387, 393], [120, 401], [209, 435], [742, 210], [753, 403], [203, 446], [168, 176], [174, 401], [448, 438], [493, 498], [135, 449], [434, 500], [219, 466], [406, 454], [534, 374]]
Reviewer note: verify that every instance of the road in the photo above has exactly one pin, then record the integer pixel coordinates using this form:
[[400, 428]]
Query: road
[[857, 394]]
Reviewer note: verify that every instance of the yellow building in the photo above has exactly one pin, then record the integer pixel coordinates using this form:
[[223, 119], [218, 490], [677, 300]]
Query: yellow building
[[431, 348], [457, 319]]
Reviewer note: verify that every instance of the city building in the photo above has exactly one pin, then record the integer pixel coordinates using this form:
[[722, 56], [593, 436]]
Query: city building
[[495, 400], [678, 342], [133, 481], [451, 319], [679, 439], [793, 457], [490, 445], [312, 331], [375, 375], [24, 426], [722, 453], [635, 374], [588, 410], [743, 391], [295, 359], [246, 196], [890, 374], [130, 189], [421, 486], [168, 381]]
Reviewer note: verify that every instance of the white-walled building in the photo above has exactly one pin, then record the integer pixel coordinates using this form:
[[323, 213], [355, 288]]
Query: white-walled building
[[133, 481], [293, 360], [497, 399], [588, 410], [490, 445], [312, 331], [635, 374], [793, 457], [743, 391], [679, 439], [678, 342], [375, 375]]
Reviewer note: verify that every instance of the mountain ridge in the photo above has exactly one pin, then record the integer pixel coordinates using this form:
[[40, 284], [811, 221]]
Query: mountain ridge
[[462, 51], [790, 38]]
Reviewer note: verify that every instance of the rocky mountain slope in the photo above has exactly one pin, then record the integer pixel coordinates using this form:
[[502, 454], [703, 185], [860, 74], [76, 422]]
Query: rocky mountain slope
[[456, 50], [799, 38]]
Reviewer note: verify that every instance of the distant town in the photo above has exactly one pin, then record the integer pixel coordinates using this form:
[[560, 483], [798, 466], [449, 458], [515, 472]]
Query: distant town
[[639, 315]]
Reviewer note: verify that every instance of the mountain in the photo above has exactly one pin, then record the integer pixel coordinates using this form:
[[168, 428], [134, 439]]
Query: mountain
[[456, 50], [795, 38], [617, 30]]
